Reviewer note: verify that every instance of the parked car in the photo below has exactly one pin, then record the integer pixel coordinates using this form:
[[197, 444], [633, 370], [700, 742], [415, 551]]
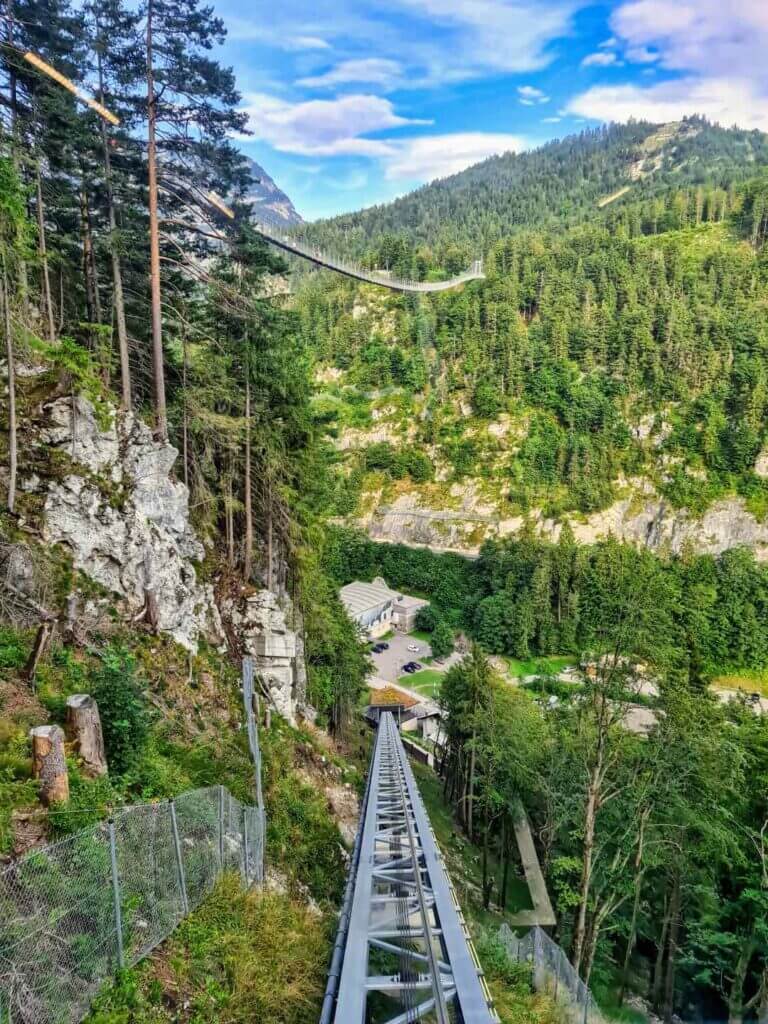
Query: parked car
[[416, 666], [378, 648], [383, 646], [410, 666], [414, 648]]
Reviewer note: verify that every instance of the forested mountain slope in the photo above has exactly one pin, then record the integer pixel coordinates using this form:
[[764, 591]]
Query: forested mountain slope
[[612, 374], [562, 183]]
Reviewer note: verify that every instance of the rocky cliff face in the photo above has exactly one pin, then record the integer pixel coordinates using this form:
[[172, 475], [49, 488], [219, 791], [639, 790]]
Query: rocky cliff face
[[642, 518], [124, 520], [270, 630]]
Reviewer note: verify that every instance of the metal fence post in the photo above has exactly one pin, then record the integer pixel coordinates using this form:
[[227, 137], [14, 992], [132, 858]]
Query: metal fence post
[[179, 861], [246, 853], [116, 895], [221, 828]]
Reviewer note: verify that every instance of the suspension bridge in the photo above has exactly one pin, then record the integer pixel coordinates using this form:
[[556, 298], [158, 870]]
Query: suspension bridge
[[402, 951], [275, 233]]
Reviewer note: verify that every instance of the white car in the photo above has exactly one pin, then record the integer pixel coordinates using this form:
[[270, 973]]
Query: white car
[[414, 648]]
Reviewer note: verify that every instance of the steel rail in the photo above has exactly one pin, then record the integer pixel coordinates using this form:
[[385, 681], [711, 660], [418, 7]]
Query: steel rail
[[435, 973], [403, 907]]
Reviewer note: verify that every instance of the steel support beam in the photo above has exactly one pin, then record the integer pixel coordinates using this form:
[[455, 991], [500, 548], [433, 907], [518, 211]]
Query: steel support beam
[[404, 917]]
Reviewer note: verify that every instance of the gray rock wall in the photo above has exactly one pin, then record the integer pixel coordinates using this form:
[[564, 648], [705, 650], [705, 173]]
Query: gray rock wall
[[270, 631], [125, 520], [642, 518]]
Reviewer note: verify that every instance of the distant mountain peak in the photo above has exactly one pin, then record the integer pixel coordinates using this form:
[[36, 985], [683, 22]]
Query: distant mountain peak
[[270, 200]]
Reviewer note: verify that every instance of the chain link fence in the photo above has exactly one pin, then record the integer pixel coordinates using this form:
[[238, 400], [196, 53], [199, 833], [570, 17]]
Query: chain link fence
[[73, 912], [553, 973]]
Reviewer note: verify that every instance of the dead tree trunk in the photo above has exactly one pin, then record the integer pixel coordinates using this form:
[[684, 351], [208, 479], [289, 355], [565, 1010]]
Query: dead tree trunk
[[158, 367], [49, 765], [42, 639], [12, 444], [43, 251], [117, 271], [84, 730], [185, 410]]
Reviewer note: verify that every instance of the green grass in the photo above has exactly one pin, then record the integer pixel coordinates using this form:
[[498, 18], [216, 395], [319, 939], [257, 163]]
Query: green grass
[[421, 635], [241, 957], [550, 665], [427, 682], [749, 680]]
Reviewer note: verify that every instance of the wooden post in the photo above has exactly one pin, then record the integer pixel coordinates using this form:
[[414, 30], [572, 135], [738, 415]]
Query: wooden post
[[49, 764], [42, 639], [84, 729]]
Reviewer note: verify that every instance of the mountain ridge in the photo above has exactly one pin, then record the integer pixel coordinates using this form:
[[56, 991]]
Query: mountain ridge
[[556, 184], [266, 195]]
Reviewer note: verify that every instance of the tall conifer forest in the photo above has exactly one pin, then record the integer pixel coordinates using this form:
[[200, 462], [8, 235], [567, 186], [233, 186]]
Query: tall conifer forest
[[620, 335]]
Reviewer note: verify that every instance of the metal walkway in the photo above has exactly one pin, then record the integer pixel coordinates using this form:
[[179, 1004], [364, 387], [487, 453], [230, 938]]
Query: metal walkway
[[277, 234], [402, 953]]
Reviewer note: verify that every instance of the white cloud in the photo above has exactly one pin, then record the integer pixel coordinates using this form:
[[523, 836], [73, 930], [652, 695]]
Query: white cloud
[[437, 41], [709, 37], [437, 156], [551, 120], [603, 58], [727, 100], [717, 49], [246, 30], [371, 70], [308, 43], [608, 43], [334, 127], [499, 35], [529, 95]]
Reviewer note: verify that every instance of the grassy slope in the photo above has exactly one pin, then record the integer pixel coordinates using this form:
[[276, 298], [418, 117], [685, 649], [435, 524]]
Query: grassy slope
[[539, 666], [426, 682], [241, 956]]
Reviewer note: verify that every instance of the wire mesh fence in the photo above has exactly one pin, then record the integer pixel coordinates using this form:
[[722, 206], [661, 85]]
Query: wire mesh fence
[[553, 973], [73, 912]]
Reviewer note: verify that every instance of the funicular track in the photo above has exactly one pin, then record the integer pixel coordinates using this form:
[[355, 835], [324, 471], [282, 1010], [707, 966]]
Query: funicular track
[[403, 953]]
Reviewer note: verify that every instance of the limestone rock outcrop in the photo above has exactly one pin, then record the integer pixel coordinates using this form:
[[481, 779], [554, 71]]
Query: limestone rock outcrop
[[270, 630], [642, 518], [125, 519]]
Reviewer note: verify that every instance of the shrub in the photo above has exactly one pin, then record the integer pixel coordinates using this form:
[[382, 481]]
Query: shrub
[[426, 618], [123, 709], [442, 640], [13, 649]]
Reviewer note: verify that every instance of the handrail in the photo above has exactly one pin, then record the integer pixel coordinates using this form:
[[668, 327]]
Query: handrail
[[274, 234]]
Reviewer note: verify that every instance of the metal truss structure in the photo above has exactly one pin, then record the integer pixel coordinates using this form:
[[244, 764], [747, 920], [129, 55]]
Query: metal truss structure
[[406, 955]]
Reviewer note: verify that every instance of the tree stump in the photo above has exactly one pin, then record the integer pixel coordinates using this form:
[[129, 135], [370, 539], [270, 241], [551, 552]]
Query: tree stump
[[84, 730], [49, 764]]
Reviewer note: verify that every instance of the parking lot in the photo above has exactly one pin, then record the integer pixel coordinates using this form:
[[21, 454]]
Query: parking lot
[[389, 663]]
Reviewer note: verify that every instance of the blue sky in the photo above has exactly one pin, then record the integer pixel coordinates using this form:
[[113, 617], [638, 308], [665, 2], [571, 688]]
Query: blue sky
[[354, 102]]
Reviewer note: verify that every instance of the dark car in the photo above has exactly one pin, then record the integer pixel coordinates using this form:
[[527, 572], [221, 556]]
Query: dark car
[[409, 667], [416, 666], [378, 648], [383, 646]]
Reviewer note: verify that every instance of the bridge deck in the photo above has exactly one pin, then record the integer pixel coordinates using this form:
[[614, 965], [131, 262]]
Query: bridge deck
[[272, 233], [407, 955]]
